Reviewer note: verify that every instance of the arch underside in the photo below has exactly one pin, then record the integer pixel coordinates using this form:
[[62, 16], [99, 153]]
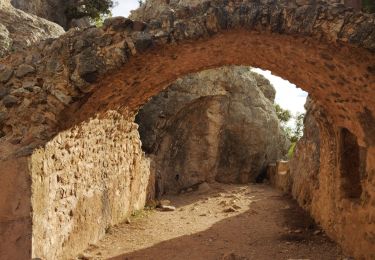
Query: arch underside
[[119, 67], [338, 76]]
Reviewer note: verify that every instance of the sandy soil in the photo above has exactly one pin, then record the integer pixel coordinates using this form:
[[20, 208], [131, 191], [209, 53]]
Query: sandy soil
[[264, 224]]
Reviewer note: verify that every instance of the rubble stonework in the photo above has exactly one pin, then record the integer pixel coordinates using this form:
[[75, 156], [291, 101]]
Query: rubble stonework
[[326, 49]]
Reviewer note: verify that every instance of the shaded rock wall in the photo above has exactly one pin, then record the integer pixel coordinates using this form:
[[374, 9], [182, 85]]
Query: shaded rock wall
[[84, 181], [217, 124], [15, 205], [333, 178], [305, 163]]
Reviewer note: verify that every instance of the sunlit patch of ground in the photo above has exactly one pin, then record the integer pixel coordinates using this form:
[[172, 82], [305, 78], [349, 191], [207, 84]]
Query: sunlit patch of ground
[[240, 221]]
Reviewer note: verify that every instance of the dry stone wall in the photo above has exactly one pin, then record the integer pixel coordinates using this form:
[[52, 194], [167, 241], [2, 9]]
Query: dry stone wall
[[328, 50], [84, 181], [332, 178]]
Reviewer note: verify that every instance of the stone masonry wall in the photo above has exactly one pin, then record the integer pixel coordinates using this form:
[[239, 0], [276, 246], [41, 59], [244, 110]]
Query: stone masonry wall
[[332, 177], [85, 180], [328, 50]]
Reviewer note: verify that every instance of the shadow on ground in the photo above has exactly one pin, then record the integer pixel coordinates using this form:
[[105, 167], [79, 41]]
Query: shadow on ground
[[266, 231]]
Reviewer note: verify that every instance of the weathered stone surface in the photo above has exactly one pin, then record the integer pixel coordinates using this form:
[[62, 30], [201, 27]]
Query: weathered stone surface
[[5, 40], [332, 179], [23, 70], [10, 101], [19, 30], [5, 74], [213, 125], [325, 49], [279, 176], [80, 188], [305, 164], [52, 10]]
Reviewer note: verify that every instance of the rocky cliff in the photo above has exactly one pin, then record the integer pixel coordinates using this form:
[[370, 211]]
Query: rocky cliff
[[218, 124], [19, 30], [52, 10]]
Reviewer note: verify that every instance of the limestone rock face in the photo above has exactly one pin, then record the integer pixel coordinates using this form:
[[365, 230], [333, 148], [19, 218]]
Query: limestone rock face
[[52, 10], [154, 8], [19, 30], [218, 124]]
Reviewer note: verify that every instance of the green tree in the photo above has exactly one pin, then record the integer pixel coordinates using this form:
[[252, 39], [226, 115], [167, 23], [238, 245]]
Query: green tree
[[284, 115], [94, 9], [368, 6], [297, 132]]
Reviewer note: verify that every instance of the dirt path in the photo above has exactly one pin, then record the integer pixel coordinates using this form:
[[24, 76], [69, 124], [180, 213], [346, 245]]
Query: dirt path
[[265, 224]]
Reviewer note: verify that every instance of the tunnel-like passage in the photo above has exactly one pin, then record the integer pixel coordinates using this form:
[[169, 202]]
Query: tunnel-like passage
[[83, 75]]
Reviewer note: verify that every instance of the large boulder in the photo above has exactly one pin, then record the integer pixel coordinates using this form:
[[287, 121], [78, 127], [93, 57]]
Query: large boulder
[[51, 10], [216, 125], [19, 30]]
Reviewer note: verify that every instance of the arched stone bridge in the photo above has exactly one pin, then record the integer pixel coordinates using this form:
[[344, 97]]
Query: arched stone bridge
[[327, 50]]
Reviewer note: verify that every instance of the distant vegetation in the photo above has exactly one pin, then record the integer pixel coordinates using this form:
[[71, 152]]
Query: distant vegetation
[[295, 132], [368, 6], [94, 9]]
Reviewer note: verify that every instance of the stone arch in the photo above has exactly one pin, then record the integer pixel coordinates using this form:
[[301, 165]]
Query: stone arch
[[328, 50]]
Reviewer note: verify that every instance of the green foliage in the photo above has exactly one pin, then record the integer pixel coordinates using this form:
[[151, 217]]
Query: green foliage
[[99, 22], [284, 115], [94, 9], [298, 130], [368, 6], [292, 147]]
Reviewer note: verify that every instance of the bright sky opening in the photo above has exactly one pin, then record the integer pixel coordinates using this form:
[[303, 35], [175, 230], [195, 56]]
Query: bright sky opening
[[123, 7]]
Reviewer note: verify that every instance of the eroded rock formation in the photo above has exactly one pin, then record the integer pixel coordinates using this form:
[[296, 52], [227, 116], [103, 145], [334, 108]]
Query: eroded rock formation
[[218, 124], [51, 10], [325, 49], [19, 30]]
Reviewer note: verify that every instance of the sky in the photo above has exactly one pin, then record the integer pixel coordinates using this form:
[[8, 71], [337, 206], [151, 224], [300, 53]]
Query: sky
[[123, 7], [288, 96]]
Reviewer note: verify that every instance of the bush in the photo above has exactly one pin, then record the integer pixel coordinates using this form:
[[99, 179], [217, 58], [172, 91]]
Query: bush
[[93, 9], [368, 6], [284, 116]]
